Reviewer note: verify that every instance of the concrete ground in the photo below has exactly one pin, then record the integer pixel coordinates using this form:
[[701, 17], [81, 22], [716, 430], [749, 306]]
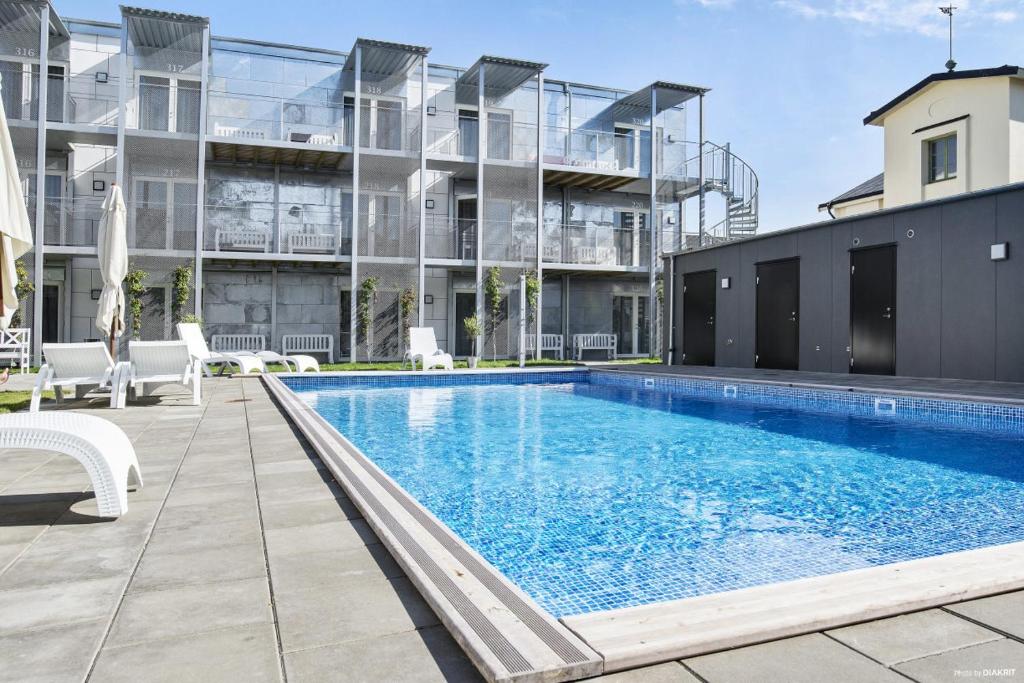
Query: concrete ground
[[242, 560]]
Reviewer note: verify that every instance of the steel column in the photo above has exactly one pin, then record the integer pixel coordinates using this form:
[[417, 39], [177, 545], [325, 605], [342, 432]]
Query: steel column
[[700, 171], [420, 313], [540, 217], [481, 145], [201, 176], [652, 275], [37, 276], [122, 103], [354, 297]]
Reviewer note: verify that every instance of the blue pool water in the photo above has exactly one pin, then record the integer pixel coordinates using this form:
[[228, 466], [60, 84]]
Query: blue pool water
[[594, 497]]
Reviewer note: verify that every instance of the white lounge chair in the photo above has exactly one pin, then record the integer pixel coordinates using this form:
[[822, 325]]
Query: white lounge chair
[[85, 366], [192, 335], [300, 362], [155, 363], [423, 348], [101, 447]]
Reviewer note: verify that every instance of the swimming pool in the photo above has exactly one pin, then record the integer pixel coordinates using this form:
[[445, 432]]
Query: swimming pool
[[592, 494]]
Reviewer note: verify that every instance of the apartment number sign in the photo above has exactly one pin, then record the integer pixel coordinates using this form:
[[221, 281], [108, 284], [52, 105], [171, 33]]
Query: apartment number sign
[[373, 89], [25, 51], [176, 68]]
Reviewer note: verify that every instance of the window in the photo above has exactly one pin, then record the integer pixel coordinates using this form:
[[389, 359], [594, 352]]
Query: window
[[942, 158]]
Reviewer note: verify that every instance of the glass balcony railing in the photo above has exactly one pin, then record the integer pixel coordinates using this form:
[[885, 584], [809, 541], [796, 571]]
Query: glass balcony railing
[[595, 244], [389, 128], [510, 240], [388, 235], [592, 149], [69, 222], [450, 238], [165, 105], [255, 118], [261, 229]]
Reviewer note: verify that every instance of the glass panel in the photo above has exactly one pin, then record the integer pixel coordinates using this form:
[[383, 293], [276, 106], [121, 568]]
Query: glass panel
[[55, 94], [349, 117], [11, 90], [469, 128], [644, 332], [187, 113], [184, 215], [154, 103], [466, 237], [622, 323], [51, 313], [345, 314], [154, 314], [499, 135], [625, 222], [951, 156], [52, 213], [465, 306], [389, 125], [624, 148], [151, 214]]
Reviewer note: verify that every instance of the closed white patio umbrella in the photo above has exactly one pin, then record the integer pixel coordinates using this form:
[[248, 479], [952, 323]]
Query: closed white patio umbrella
[[112, 250], [15, 230]]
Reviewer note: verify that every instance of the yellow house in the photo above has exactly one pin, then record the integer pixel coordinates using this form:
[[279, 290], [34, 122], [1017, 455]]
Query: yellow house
[[953, 132]]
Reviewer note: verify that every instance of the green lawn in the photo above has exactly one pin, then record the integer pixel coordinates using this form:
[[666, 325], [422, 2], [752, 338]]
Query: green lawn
[[13, 401]]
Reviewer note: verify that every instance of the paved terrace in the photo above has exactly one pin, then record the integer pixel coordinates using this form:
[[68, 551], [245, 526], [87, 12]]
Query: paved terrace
[[241, 560]]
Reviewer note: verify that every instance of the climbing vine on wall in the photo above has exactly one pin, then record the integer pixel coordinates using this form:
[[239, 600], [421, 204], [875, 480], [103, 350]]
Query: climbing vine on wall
[[135, 284], [406, 306], [364, 311], [181, 287], [22, 290], [492, 295]]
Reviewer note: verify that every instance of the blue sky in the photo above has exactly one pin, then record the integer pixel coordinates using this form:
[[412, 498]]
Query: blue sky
[[791, 79]]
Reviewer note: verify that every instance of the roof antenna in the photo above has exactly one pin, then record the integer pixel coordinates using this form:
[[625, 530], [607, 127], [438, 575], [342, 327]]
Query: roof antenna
[[948, 11]]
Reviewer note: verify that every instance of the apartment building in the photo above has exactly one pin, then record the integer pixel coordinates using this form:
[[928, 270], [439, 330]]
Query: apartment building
[[290, 179]]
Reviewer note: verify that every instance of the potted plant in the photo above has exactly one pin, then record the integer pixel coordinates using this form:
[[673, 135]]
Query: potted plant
[[473, 329]]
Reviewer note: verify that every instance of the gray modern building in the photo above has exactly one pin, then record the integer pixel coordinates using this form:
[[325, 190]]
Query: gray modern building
[[289, 177]]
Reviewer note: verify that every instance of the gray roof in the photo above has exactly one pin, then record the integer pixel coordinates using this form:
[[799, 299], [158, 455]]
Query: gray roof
[[1004, 70], [868, 188]]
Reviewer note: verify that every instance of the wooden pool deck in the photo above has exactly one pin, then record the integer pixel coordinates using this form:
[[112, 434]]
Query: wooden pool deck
[[242, 559]]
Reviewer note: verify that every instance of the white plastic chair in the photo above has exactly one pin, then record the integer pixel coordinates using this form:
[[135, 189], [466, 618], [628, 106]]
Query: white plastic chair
[[102, 448], [192, 335], [85, 366], [423, 347], [155, 363]]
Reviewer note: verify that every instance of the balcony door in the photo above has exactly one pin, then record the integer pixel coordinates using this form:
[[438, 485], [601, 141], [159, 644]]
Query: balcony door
[[382, 123], [162, 214], [629, 225], [465, 227], [464, 307], [167, 103], [630, 324]]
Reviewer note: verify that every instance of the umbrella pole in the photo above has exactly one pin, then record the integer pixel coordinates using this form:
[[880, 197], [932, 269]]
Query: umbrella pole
[[113, 322]]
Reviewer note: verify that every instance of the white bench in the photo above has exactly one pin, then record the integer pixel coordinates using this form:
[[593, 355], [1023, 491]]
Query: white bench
[[230, 343], [309, 241], [238, 132], [308, 343], [548, 342], [594, 342], [248, 239], [14, 345]]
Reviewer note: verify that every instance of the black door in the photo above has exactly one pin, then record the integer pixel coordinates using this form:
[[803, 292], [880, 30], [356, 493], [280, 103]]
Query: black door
[[699, 318], [778, 315], [51, 313], [465, 307], [873, 310]]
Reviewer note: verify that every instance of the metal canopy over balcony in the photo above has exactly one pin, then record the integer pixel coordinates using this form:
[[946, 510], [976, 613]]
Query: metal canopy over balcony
[[668, 95], [502, 76], [382, 59], [23, 16], [155, 29]]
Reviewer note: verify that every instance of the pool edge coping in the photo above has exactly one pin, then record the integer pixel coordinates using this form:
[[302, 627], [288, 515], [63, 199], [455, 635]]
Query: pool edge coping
[[481, 616]]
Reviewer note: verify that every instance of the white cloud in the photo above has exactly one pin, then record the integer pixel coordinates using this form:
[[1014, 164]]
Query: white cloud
[[914, 16], [716, 4]]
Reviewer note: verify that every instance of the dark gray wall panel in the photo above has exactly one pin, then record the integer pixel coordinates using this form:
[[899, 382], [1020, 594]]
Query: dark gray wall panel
[[841, 298], [745, 340], [1010, 289], [730, 320], [919, 293], [815, 249], [871, 230], [968, 289]]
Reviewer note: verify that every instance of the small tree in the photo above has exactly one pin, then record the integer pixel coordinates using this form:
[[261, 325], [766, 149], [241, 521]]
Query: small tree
[[473, 330], [492, 295], [532, 292], [135, 281], [22, 290], [181, 287], [406, 305], [364, 311]]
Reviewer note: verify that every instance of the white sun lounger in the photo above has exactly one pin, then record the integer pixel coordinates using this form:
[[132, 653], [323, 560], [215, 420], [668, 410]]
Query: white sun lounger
[[300, 362], [102, 448], [155, 363], [192, 334], [85, 366], [423, 348]]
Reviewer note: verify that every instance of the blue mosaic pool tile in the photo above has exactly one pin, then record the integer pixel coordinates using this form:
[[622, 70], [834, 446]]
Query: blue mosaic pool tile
[[354, 380]]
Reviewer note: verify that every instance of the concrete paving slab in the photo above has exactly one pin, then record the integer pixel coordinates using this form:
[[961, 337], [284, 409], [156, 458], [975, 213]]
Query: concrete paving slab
[[313, 538], [169, 568], [425, 656], [670, 672], [301, 513], [38, 566], [354, 609], [327, 569], [911, 636], [1002, 612], [59, 604], [209, 534], [226, 656], [154, 615], [56, 654], [806, 659], [999, 660]]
